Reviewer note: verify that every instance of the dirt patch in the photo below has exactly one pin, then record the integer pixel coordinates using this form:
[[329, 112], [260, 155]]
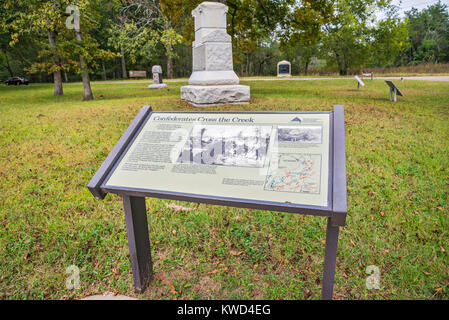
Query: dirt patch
[[207, 287]]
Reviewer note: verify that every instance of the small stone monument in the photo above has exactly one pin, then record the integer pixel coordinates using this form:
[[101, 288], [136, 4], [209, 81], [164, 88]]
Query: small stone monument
[[213, 80], [157, 78], [284, 69]]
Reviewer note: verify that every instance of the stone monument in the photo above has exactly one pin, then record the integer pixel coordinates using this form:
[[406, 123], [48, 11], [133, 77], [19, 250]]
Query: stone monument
[[157, 78], [284, 69], [213, 80]]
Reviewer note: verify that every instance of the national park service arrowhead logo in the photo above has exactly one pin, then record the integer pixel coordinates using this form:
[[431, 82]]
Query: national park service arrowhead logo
[[296, 119]]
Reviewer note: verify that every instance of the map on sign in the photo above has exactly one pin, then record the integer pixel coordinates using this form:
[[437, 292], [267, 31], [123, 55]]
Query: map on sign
[[294, 173], [278, 157]]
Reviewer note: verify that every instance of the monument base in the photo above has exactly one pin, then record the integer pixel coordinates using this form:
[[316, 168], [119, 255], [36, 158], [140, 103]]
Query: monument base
[[157, 86], [204, 96]]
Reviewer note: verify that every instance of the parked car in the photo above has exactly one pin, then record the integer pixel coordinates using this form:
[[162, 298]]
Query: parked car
[[16, 81]]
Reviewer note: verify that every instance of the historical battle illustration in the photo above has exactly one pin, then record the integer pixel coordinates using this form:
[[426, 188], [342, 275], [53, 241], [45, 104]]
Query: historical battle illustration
[[300, 134], [240, 146]]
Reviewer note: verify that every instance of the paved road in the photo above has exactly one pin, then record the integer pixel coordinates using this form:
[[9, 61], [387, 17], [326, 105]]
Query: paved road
[[422, 78]]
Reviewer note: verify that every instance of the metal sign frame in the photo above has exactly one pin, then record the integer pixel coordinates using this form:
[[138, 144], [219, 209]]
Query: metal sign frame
[[135, 209], [393, 90]]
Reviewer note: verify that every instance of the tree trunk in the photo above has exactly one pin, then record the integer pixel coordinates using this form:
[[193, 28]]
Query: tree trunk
[[341, 68], [104, 71], [306, 67], [87, 91], [57, 79], [122, 57], [169, 66], [8, 66]]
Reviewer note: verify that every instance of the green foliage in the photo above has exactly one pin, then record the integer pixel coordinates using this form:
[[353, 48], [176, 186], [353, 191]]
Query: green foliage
[[136, 43], [346, 35], [389, 41], [429, 34], [169, 39]]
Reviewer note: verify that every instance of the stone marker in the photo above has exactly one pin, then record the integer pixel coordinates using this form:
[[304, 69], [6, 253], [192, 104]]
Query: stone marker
[[157, 78], [213, 80], [284, 69]]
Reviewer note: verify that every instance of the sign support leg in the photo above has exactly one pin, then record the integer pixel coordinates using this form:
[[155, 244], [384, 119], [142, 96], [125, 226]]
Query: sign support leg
[[391, 94], [138, 241], [395, 94], [330, 260]]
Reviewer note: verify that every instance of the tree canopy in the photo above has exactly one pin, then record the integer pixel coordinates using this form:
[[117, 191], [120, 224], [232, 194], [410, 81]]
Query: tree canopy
[[120, 35]]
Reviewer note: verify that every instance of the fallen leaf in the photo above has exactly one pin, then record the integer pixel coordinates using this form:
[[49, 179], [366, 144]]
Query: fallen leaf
[[157, 242], [426, 273], [323, 241], [115, 271], [382, 214], [158, 277], [372, 218], [177, 208], [213, 271], [172, 289], [225, 269], [439, 290], [235, 253], [25, 256], [440, 208], [442, 249], [174, 232], [371, 169], [352, 242], [255, 267], [386, 251]]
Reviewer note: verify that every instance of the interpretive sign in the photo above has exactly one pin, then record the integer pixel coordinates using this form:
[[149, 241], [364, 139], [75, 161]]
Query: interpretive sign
[[393, 90], [359, 82], [284, 68], [137, 74], [281, 161], [253, 156]]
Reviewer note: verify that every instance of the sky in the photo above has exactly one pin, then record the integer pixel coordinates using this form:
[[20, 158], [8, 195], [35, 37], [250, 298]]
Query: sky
[[406, 5]]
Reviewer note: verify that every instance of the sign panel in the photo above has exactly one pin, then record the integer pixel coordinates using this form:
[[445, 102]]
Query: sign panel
[[359, 80], [393, 87], [137, 74], [284, 68], [279, 157]]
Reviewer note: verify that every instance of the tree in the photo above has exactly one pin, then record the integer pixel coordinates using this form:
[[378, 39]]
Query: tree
[[388, 40], [302, 31], [345, 43], [37, 17], [169, 38], [429, 34]]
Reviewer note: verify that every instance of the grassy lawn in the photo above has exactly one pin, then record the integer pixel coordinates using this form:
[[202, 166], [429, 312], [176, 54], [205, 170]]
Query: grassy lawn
[[398, 199]]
